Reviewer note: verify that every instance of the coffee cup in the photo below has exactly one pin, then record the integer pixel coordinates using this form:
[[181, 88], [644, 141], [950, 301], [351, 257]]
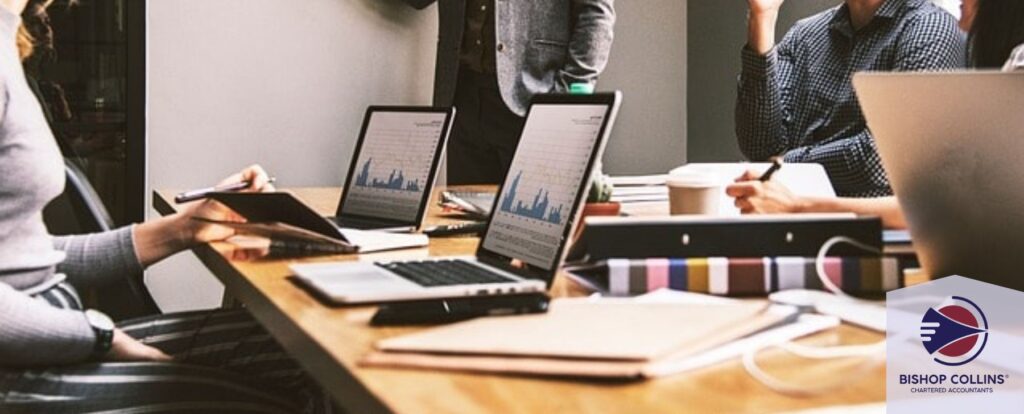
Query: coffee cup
[[693, 191]]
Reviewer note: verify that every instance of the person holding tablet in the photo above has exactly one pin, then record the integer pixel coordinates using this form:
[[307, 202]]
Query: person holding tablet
[[56, 356], [996, 30]]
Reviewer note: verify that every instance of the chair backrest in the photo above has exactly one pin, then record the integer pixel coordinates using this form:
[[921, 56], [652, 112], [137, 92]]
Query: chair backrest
[[79, 210], [91, 211]]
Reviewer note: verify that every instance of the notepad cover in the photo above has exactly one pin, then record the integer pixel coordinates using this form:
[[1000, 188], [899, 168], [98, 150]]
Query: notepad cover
[[576, 329]]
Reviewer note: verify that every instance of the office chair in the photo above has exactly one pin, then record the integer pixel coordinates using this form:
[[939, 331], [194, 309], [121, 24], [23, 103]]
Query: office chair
[[79, 210]]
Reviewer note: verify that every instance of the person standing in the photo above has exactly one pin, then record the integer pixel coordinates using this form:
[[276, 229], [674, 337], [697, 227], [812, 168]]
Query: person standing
[[795, 99], [494, 56]]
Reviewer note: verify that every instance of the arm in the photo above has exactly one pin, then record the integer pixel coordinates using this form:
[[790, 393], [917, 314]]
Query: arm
[[97, 259], [34, 333], [764, 97], [755, 197], [590, 44], [103, 257]]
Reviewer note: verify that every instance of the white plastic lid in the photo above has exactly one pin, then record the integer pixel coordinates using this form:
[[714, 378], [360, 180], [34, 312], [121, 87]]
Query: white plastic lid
[[692, 177]]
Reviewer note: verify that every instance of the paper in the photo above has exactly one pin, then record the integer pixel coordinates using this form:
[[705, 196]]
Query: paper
[[375, 241], [573, 329], [802, 179], [638, 180], [806, 324]]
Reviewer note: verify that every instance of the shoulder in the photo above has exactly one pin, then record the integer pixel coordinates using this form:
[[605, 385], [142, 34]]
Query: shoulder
[[923, 15]]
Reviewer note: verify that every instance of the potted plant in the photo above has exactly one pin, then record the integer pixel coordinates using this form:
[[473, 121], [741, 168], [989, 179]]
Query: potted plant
[[599, 200]]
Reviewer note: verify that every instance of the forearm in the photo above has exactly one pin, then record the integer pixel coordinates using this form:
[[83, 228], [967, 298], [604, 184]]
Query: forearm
[[761, 30], [852, 163], [33, 333], [158, 239], [887, 208], [99, 258], [761, 105]]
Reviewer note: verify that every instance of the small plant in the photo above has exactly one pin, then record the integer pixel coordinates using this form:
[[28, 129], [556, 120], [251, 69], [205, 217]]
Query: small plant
[[600, 188]]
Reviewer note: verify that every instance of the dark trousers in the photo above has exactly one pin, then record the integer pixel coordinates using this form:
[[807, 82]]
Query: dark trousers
[[485, 134]]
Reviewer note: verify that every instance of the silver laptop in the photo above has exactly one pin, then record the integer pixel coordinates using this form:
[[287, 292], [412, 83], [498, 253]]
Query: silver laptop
[[394, 167], [953, 146], [528, 230]]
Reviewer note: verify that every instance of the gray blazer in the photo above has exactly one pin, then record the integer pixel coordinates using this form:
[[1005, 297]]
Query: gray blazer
[[543, 46]]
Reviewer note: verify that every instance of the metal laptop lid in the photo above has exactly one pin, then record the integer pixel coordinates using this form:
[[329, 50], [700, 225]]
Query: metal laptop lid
[[953, 146], [538, 204]]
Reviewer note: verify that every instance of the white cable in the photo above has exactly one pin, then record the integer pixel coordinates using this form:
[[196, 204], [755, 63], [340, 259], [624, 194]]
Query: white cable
[[874, 352], [819, 262], [832, 352]]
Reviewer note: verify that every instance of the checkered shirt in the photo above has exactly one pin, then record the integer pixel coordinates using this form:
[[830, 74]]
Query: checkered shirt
[[798, 101]]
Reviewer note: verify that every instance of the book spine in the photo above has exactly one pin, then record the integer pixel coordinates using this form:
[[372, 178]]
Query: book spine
[[752, 276]]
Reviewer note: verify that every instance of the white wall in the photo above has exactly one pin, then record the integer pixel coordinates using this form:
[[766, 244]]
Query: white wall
[[648, 63], [285, 83], [279, 82]]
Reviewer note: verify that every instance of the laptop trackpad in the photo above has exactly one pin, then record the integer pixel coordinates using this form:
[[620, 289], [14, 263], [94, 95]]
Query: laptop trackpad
[[350, 277]]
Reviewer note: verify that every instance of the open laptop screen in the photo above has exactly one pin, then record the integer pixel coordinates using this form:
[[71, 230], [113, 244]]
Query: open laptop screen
[[395, 162], [535, 207]]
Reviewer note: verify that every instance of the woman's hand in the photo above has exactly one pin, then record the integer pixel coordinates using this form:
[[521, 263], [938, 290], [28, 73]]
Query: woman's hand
[[125, 348], [197, 232], [160, 238], [757, 197]]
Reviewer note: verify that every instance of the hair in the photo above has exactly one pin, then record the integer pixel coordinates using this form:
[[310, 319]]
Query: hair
[[998, 28], [34, 20]]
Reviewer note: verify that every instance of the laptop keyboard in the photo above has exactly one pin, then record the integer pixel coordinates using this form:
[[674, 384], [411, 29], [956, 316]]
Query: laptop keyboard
[[444, 273]]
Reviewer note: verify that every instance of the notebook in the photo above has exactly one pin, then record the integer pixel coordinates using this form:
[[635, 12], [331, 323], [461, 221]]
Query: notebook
[[580, 338]]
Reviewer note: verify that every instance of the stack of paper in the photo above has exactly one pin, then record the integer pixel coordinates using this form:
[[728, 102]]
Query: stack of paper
[[639, 189]]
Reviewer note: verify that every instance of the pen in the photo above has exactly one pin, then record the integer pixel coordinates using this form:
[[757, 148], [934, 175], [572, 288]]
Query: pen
[[461, 229], [193, 195], [776, 165]]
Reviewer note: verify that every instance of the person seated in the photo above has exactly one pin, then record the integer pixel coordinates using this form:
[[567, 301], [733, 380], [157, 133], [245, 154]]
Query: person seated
[[55, 356], [997, 36], [796, 100]]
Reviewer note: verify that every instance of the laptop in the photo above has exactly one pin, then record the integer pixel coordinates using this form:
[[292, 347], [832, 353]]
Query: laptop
[[527, 231], [953, 146], [394, 168]]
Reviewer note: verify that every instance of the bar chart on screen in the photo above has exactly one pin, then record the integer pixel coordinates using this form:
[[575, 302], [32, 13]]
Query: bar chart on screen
[[394, 164], [535, 205]]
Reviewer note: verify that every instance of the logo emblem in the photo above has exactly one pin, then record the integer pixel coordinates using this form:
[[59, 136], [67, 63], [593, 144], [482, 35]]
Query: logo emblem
[[955, 332]]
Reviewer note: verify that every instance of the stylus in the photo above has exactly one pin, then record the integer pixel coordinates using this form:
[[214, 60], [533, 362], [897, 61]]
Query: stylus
[[193, 195]]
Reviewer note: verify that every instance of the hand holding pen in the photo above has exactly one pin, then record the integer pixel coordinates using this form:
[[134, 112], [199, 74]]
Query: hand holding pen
[[756, 193], [252, 179]]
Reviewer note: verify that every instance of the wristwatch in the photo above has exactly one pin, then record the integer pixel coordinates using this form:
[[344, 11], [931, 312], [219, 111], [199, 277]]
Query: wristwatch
[[104, 329]]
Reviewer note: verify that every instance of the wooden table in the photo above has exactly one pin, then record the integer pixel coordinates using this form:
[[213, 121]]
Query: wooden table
[[329, 341]]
